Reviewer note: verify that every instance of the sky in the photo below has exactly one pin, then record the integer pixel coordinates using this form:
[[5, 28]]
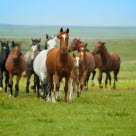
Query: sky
[[68, 12]]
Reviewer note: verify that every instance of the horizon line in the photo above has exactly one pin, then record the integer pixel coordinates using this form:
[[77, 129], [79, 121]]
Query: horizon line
[[37, 25]]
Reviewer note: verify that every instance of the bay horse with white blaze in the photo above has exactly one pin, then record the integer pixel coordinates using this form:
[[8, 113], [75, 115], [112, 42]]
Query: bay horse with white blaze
[[15, 65], [3, 57], [111, 62], [60, 63]]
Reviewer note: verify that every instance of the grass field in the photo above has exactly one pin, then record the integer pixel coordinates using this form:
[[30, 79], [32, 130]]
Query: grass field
[[96, 112]]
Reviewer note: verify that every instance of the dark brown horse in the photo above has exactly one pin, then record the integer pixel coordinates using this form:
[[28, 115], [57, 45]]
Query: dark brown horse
[[60, 63], [87, 63], [15, 65], [111, 62], [97, 58]]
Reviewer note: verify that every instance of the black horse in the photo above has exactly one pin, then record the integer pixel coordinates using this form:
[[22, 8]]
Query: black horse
[[3, 57]]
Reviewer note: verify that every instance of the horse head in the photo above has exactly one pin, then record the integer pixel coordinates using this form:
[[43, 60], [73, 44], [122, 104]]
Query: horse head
[[52, 42], [64, 37], [35, 47], [5, 49], [76, 61], [74, 45], [16, 48], [46, 41], [99, 48], [81, 51]]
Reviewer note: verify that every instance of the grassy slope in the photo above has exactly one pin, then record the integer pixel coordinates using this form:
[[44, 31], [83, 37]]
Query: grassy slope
[[97, 112]]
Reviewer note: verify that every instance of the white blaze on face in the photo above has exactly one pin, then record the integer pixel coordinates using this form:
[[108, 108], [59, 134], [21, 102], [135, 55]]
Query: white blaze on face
[[34, 48], [64, 36], [77, 61], [82, 53], [16, 48]]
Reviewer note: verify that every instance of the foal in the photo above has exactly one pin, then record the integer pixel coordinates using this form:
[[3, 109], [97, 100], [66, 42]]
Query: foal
[[3, 57], [87, 63], [74, 78], [111, 62], [15, 65], [60, 63]]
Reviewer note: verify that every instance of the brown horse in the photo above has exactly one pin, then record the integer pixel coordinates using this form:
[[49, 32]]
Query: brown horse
[[111, 62], [74, 78], [15, 65], [60, 63], [97, 58], [87, 63]]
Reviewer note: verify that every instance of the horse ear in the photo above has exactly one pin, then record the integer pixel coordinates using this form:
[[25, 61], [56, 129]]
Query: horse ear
[[39, 39], [47, 36], [61, 30], [86, 44], [67, 30], [32, 39], [13, 43], [7, 42], [103, 43], [74, 55], [1, 42]]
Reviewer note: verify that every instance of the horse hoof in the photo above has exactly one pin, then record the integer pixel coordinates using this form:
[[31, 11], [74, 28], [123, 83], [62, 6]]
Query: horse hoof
[[10, 96], [100, 86], [16, 94], [0, 89], [53, 100], [27, 91], [8, 89]]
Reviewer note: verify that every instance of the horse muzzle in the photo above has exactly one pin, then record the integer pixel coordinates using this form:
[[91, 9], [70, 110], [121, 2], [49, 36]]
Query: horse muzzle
[[77, 67], [63, 50], [81, 62]]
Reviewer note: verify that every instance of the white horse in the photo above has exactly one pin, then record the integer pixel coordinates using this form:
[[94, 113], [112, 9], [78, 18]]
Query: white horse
[[40, 69]]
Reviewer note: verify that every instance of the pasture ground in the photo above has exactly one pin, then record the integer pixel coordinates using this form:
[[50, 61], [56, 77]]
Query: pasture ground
[[96, 112]]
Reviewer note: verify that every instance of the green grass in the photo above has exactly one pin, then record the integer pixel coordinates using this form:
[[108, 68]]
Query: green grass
[[96, 112]]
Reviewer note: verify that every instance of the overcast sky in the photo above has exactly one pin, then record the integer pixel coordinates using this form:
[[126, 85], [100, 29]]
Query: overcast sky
[[69, 12]]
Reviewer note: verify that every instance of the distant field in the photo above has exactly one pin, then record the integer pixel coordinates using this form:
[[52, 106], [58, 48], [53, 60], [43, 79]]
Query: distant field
[[96, 112]]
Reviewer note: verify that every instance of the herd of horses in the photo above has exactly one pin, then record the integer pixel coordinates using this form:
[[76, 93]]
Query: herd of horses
[[51, 65]]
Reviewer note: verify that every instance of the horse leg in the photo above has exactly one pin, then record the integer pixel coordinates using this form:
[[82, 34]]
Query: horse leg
[[28, 82], [100, 79], [10, 84], [71, 97], [109, 81], [6, 80], [1, 78], [94, 73], [44, 88], [115, 78], [86, 81], [51, 88], [37, 84], [17, 85], [78, 89], [57, 80], [106, 80], [66, 88], [82, 81]]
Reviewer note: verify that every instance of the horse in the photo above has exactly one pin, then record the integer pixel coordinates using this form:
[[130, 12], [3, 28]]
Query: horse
[[30, 56], [60, 64], [74, 78], [87, 63], [3, 57], [97, 58], [15, 65], [111, 62], [40, 67]]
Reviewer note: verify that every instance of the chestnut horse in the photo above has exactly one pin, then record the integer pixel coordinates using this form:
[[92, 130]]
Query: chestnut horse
[[111, 62], [74, 78], [15, 65], [60, 63], [87, 63], [97, 58]]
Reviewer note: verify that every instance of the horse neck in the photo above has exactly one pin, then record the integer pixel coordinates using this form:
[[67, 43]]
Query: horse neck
[[105, 56], [63, 56]]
